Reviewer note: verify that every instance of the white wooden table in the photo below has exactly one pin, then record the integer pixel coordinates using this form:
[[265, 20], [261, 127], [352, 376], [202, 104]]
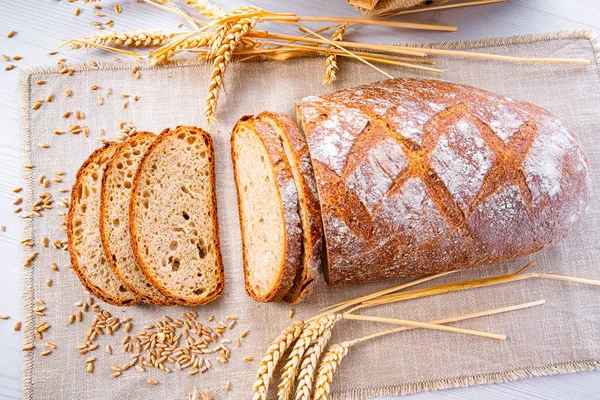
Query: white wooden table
[[41, 25]]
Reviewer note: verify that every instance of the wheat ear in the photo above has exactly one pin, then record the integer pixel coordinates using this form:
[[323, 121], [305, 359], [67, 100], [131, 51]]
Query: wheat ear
[[331, 60], [331, 359], [311, 334], [222, 59], [192, 42], [220, 34], [271, 359], [207, 9], [125, 39], [309, 365]]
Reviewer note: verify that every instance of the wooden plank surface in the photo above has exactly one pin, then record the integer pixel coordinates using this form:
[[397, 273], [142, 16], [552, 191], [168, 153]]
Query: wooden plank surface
[[42, 25]]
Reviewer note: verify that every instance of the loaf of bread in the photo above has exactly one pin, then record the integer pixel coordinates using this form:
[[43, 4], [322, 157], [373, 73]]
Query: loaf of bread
[[117, 182], [173, 217], [88, 259], [422, 176], [268, 210]]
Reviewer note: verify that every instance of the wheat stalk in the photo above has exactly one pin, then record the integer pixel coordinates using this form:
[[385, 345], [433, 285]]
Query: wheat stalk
[[144, 38], [223, 57], [311, 334], [309, 365], [331, 359], [271, 359], [331, 60]]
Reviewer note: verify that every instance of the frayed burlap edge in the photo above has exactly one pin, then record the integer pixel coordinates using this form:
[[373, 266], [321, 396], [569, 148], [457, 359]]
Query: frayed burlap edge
[[351, 394], [27, 277]]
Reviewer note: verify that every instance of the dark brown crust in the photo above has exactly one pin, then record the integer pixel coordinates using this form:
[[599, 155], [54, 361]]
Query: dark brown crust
[[154, 300], [309, 274], [389, 211], [293, 236], [164, 135], [75, 195]]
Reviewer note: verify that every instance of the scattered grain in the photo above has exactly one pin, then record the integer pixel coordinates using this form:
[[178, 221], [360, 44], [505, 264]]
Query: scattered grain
[[118, 8], [18, 201], [28, 347], [11, 34], [66, 114], [17, 327], [6, 58], [2, 316], [68, 93], [291, 313], [49, 98], [17, 58], [77, 11], [9, 67], [152, 382], [40, 82], [46, 353], [248, 358], [49, 282], [37, 104]]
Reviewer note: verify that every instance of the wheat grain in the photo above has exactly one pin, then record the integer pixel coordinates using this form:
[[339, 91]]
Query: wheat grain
[[11, 34], [331, 359], [309, 364], [17, 326], [270, 361], [310, 335], [331, 60]]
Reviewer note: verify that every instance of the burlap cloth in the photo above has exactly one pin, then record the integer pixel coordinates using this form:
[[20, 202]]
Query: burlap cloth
[[560, 337]]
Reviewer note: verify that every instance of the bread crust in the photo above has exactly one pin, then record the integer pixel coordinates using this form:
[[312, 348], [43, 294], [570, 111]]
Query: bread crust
[[293, 232], [422, 176], [165, 135], [76, 193], [147, 296], [310, 210]]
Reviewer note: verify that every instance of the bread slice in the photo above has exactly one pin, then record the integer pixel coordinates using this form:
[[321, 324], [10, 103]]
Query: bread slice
[[117, 182], [173, 217], [268, 210], [83, 233], [296, 151]]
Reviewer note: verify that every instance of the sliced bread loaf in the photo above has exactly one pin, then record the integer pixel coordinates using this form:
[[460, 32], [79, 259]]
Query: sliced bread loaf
[[117, 182], [173, 217], [85, 248], [268, 210], [296, 152]]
